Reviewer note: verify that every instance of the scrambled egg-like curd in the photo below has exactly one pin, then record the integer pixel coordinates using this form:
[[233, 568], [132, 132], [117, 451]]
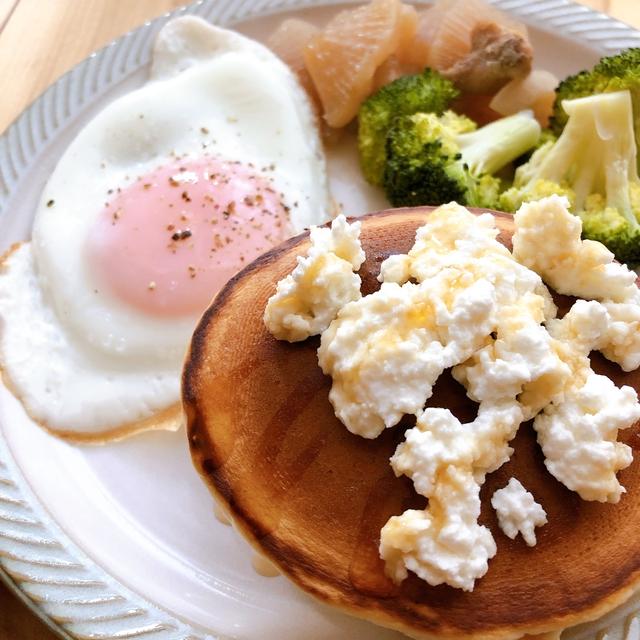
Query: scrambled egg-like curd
[[460, 299], [442, 544], [547, 240], [308, 299], [518, 512], [579, 435]]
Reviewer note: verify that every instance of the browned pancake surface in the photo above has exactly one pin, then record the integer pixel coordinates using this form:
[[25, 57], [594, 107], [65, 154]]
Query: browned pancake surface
[[314, 497]]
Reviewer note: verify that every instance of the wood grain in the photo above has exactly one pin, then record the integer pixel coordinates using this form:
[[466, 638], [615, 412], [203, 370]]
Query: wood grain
[[39, 41], [42, 40]]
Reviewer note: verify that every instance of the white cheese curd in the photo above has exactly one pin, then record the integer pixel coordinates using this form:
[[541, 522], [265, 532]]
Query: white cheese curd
[[612, 328], [578, 437], [585, 325], [384, 355], [523, 362], [621, 342], [518, 512], [385, 351], [395, 268], [440, 440], [444, 543], [308, 299], [450, 234], [342, 239], [547, 240]]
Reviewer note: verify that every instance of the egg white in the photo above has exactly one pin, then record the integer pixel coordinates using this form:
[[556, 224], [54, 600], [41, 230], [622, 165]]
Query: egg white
[[78, 357]]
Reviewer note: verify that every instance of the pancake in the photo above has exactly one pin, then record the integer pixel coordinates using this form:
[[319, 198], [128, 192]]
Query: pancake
[[313, 497]]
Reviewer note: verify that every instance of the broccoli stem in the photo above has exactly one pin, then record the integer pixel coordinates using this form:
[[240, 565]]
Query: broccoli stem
[[495, 145], [596, 152]]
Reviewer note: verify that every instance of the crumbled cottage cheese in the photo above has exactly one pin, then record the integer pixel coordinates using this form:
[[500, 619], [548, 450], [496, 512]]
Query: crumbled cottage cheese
[[448, 236], [422, 329], [547, 240], [518, 512], [439, 440], [522, 361], [376, 337], [448, 461], [610, 327], [585, 325], [621, 342], [446, 545], [308, 299], [578, 437], [404, 328], [459, 299]]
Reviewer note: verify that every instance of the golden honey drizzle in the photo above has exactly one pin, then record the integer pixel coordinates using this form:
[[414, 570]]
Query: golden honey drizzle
[[221, 514], [263, 566]]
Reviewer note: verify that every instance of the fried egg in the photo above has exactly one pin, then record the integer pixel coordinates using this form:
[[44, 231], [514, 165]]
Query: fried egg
[[156, 203]]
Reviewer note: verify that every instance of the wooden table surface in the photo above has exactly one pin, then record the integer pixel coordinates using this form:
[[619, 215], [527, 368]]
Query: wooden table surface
[[39, 41]]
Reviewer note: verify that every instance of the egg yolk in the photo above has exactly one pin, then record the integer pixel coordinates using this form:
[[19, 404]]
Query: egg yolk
[[167, 243]]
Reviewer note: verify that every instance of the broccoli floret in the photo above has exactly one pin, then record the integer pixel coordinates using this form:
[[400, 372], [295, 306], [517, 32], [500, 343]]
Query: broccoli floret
[[426, 92], [437, 159], [594, 164], [613, 73], [608, 226]]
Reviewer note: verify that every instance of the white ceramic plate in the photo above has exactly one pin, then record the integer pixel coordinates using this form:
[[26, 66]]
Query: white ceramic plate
[[121, 541]]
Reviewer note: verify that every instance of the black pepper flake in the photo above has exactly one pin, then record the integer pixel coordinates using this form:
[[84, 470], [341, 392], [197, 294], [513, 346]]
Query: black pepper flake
[[51, 203], [229, 211], [204, 130], [185, 196], [146, 186], [182, 234]]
